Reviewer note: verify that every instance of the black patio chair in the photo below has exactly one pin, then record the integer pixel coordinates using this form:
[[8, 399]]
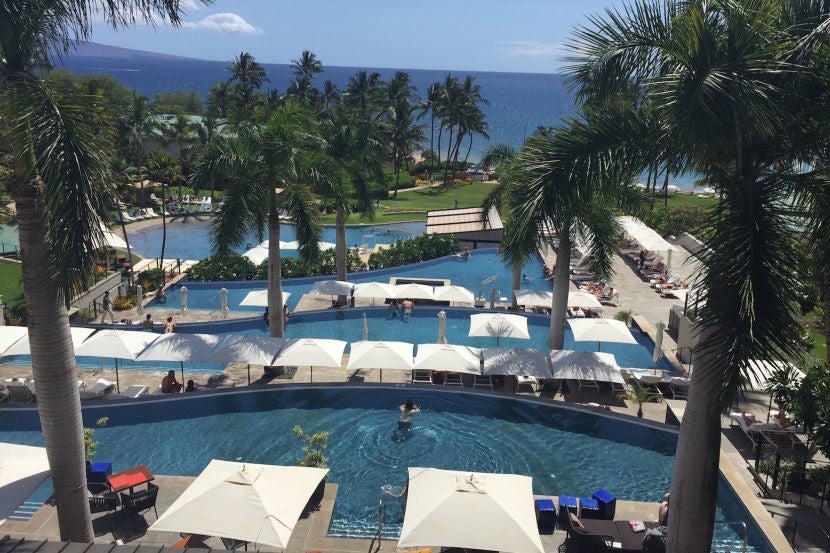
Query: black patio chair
[[104, 503], [232, 545], [586, 542], [139, 502]]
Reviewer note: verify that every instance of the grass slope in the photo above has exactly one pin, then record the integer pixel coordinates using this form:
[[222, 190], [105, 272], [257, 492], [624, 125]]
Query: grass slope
[[11, 283]]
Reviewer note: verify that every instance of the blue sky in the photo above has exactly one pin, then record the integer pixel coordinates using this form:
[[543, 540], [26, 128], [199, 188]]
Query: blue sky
[[485, 35]]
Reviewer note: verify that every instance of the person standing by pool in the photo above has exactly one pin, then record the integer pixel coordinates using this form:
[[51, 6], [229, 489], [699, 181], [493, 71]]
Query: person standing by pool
[[285, 314], [393, 308], [106, 303], [466, 253], [405, 420], [169, 326], [407, 306]]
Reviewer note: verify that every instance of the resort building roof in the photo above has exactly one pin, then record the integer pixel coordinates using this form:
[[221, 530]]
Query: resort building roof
[[454, 221]]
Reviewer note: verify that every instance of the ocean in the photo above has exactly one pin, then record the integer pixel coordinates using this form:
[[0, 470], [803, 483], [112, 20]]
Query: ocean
[[518, 102]]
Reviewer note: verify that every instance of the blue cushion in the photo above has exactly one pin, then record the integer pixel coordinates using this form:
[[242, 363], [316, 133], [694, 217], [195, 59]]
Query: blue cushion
[[604, 495]]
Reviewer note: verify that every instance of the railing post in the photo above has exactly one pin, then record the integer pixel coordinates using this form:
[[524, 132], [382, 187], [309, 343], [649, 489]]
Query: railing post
[[380, 525]]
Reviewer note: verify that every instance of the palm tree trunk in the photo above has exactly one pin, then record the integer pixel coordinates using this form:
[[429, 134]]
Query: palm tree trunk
[[163, 231], [561, 281], [126, 241], [694, 487], [53, 367], [517, 283], [340, 249], [397, 164], [447, 161], [275, 303], [825, 296], [431, 142]]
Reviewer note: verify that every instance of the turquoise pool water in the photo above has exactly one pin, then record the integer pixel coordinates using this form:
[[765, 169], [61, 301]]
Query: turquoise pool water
[[566, 452], [190, 239], [482, 264]]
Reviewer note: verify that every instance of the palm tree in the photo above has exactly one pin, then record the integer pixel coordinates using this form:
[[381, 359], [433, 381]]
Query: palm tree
[[331, 94], [219, 100], [284, 153], [398, 123], [250, 75], [181, 133], [731, 81], [139, 124], [206, 132], [61, 186], [363, 92], [163, 168], [434, 93], [122, 178], [639, 395]]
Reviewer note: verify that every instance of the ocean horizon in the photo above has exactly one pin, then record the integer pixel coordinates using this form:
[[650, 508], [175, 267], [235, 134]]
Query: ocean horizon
[[518, 103]]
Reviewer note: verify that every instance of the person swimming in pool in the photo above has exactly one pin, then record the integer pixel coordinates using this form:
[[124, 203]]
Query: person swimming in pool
[[405, 420]]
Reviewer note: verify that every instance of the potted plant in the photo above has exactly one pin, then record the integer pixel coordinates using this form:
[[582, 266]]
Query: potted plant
[[637, 394], [624, 315], [314, 447]]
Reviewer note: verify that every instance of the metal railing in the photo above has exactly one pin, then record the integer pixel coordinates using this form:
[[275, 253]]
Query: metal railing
[[489, 280], [379, 536], [799, 531]]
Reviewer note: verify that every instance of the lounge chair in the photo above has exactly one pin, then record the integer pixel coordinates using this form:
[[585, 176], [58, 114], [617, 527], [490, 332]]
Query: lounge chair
[[586, 541], [453, 379], [136, 390], [530, 381], [752, 429], [421, 376], [483, 381], [99, 390], [151, 213], [232, 545], [19, 392], [206, 207], [127, 217], [680, 388], [593, 384]]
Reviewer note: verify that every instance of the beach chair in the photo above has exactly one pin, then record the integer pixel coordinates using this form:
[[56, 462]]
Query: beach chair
[[483, 381], [617, 389], [19, 392], [127, 217], [679, 388], [592, 384], [99, 390], [421, 376], [136, 390], [453, 379], [752, 429], [206, 207], [151, 213]]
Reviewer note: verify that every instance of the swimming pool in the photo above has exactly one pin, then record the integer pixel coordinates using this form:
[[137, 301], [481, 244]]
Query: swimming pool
[[565, 451], [482, 264], [190, 239]]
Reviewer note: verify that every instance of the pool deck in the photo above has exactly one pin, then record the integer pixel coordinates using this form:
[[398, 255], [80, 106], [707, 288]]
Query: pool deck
[[309, 534]]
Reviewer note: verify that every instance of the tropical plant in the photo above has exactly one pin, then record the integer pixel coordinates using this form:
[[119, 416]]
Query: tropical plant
[[62, 189], [731, 83], [639, 395], [304, 69], [364, 92], [459, 111], [414, 250], [314, 448], [163, 168], [398, 124], [90, 445], [249, 76], [624, 315], [138, 124], [284, 153], [222, 267]]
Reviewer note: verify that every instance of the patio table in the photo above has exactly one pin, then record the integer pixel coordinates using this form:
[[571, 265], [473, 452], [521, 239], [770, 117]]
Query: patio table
[[130, 478]]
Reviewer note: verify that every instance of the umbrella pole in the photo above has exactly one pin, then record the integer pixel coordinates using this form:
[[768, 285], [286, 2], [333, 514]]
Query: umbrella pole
[[118, 385], [381, 376], [181, 364], [312, 373], [249, 374]]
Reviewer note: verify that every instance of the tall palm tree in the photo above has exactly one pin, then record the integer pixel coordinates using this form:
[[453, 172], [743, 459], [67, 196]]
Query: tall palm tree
[[123, 180], [331, 94], [398, 124], [61, 187], [219, 100], [139, 124], [206, 132], [268, 168], [430, 105], [731, 80], [182, 133], [249, 75], [162, 168], [363, 91]]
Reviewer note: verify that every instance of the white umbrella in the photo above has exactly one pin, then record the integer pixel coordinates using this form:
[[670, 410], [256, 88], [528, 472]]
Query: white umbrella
[[311, 353], [257, 254], [259, 298], [442, 327], [242, 501], [195, 348], [533, 298], [326, 246], [380, 355], [658, 343], [760, 372], [184, 299], [365, 328], [448, 357], [139, 296], [331, 288], [292, 245], [585, 365], [491, 512], [454, 293], [414, 291], [515, 362], [498, 325], [22, 346], [601, 330], [11, 334], [119, 344], [223, 295], [672, 189], [583, 300], [374, 290], [23, 469]]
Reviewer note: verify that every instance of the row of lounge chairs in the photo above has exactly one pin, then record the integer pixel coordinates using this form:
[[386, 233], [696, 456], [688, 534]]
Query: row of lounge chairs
[[450, 379], [186, 199], [24, 391]]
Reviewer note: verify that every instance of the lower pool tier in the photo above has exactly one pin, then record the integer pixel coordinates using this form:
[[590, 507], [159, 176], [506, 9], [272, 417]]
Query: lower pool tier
[[565, 451]]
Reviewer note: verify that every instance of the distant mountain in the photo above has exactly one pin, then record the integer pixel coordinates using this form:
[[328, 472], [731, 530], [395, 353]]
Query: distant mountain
[[81, 50]]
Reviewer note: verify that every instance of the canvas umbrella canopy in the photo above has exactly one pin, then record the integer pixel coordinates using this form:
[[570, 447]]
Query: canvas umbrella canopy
[[308, 352], [658, 343], [380, 355], [374, 290], [453, 293], [448, 357], [195, 348], [492, 512], [601, 330], [515, 362], [760, 372], [23, 469], [414, 291], [533, 298], [332, 288], [498, 325], [257, 254], [184, 298], [118, 344], [442, 327], [22, 347], [9, 335], [585, 365], [365, 328], [242, 501], [259, 298], [251, 350], [583, 300]]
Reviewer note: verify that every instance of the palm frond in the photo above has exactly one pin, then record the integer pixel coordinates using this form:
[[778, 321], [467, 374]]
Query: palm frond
[[300, 205]]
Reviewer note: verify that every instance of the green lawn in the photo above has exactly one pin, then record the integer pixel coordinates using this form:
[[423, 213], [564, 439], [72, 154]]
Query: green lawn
[[819, 345], [413, 205], [11, 285], [683, 199]]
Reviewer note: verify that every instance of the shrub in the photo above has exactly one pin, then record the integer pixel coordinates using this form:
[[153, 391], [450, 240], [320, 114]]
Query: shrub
[[150, 280], [314, 446], [122, 303], [231, 267], [676, 220], [325, 264], [15, 312], [421, 248], [90, 445]]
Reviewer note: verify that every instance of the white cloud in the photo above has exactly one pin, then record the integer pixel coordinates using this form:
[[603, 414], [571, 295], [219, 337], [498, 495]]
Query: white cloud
[[529, 48], [224, 23], [190, 5]]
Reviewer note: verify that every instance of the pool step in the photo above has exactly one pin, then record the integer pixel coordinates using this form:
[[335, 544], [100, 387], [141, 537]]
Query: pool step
[[26, 511]]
